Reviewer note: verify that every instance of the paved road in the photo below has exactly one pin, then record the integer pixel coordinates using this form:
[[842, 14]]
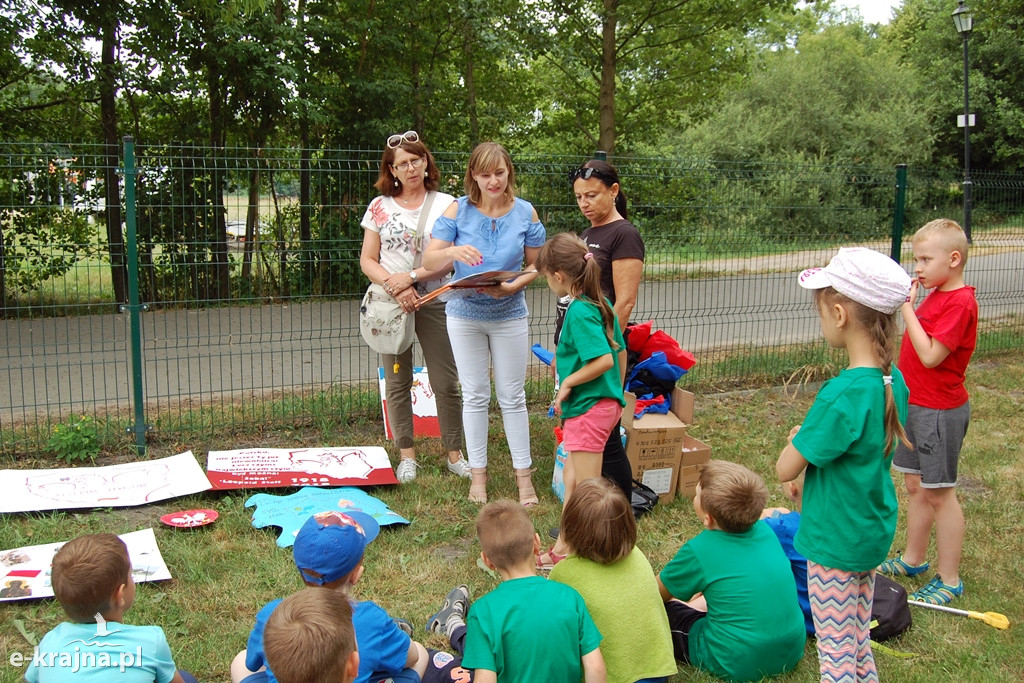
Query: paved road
[[81, 363]]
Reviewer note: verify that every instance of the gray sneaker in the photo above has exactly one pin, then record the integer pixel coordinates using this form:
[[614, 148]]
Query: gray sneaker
[[406, 470], [460, 467]]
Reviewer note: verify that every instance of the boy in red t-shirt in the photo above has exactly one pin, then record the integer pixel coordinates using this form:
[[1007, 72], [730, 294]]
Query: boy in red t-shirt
[[937, 345]]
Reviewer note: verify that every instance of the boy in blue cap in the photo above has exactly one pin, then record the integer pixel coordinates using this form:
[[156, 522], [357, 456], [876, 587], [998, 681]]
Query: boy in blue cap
[[328, 552]]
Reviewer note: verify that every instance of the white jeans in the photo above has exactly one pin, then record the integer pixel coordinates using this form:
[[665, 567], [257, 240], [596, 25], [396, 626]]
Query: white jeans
[[480, 346]]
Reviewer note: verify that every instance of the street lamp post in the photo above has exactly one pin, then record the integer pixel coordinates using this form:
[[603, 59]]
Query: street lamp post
[[964, 22]]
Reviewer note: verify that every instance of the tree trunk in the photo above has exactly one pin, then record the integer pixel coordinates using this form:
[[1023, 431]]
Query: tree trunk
[[222, 274], [474, 122], [606, 98], [112, 147], [305, 230]]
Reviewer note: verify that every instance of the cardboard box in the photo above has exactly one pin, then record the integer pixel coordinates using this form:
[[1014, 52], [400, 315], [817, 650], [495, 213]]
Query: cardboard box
[[695, 454], [689, 477], [654, 443]]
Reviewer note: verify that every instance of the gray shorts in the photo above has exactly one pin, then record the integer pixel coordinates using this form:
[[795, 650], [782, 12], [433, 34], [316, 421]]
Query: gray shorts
[[937, 436]]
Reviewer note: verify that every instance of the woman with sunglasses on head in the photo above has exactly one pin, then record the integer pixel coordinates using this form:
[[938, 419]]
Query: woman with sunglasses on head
[[619, 249], [491, 229], [391, 256]]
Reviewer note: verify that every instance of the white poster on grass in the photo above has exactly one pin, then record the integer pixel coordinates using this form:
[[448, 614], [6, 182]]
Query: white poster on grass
[[131, 483], [25, 572]]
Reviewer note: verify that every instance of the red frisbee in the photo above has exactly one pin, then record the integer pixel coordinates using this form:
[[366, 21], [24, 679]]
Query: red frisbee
[[189, 519]]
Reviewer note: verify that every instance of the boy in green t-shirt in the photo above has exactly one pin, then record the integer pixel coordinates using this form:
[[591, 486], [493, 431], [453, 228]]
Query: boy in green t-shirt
[[747, 623], [527, 629]]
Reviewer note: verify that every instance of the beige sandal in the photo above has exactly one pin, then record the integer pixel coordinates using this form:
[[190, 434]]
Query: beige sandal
[[527, 494], [478, 485]]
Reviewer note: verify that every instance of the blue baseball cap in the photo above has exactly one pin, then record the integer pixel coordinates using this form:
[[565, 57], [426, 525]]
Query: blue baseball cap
[[331, 544]]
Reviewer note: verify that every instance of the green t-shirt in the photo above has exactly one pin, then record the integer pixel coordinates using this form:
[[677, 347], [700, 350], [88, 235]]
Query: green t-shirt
[[623, 599], [754, 626], [582, 340], [528, 630], [849, 505]]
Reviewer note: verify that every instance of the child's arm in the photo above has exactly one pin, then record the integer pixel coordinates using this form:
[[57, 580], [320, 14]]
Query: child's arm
[[666, 594], [593, 667], [790, 463], [485, 676], [929, 350], [592, 370]]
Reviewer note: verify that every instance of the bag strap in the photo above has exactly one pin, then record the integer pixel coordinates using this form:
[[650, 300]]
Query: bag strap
[[424, 212]]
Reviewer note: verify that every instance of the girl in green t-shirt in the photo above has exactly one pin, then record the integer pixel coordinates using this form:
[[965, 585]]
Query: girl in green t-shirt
[[590, 361], [846, 444]]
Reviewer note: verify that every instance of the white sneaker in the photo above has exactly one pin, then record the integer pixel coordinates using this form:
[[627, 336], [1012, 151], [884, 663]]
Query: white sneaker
[[460, 467], [406, 470]]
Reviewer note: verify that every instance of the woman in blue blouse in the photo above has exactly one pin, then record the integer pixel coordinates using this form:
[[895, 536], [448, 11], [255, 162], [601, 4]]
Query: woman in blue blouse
[[491, 229]]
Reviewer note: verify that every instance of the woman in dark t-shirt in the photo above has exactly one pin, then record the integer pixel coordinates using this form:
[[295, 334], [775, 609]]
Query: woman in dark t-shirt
[[619, 249]]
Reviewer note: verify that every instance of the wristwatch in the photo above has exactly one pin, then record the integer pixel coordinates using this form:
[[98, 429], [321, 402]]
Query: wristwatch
[[412, 274]]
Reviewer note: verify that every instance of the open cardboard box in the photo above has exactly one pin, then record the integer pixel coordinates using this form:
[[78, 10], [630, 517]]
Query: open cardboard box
[[654, 443], [695, 454]]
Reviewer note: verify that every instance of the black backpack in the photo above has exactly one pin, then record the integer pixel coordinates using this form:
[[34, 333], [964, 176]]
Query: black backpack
[[643, 499], [890, 613]]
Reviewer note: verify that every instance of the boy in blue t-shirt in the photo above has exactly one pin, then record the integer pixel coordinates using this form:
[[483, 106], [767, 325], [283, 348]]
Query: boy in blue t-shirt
[[328, 553], [92, 581]]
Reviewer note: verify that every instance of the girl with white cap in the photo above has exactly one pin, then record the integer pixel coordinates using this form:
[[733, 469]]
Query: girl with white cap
[[846, 444]]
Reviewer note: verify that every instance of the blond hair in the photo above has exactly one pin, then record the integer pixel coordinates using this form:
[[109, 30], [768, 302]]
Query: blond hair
[[598, 522], [87, 571], [949, 234], [506, 533], [487, 157], [309, 637], [733, 495], [882, 329]]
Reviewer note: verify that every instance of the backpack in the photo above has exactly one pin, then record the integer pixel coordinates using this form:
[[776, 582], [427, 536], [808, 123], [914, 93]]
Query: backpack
[[890, 613], [643, 499]]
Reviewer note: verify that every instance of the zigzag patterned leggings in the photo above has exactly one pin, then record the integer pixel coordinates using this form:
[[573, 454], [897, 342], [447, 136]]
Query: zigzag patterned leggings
[[841, 607]]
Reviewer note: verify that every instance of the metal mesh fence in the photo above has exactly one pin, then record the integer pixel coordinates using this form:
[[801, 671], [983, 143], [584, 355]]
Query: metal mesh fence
[[249, 293]]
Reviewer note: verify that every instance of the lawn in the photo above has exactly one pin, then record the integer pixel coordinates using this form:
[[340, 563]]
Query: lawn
[[224, 573]]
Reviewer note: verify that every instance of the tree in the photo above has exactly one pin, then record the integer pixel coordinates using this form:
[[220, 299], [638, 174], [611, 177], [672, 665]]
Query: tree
[[924, 37], [624, 68], [781, 112]]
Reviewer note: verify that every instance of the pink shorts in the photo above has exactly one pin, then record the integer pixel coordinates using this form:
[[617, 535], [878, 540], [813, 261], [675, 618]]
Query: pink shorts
[[589, 432]]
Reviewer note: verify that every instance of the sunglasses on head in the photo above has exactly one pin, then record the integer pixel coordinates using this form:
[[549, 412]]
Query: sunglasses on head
[[586, 173], [408, 136]]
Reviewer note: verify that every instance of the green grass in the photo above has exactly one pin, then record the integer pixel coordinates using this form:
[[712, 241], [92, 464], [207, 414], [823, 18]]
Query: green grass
[[224, 573]]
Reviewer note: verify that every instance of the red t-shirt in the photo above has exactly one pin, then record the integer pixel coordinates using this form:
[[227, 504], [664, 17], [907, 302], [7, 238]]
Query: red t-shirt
[[950, 318]]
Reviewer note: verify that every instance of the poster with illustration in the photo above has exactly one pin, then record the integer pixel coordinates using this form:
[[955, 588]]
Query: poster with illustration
[[424, 409], [25, 572], [319, 466], [291, 512], [131, 483]]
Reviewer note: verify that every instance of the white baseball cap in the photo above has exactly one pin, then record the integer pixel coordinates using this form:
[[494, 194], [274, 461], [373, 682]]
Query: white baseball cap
[[864, 275]]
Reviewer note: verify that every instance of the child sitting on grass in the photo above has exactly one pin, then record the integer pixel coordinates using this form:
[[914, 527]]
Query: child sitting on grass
[[616, 582], [785, 522], [752, 626], [309, 638], [92, 581], [527, 629], [328, 552]]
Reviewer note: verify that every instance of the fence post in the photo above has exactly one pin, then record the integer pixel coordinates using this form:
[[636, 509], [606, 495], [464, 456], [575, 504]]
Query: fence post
[[601, 155], [898, 213], [133, 308]]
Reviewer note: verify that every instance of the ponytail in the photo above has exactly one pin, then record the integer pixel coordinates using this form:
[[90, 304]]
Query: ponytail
[[567, 254]]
